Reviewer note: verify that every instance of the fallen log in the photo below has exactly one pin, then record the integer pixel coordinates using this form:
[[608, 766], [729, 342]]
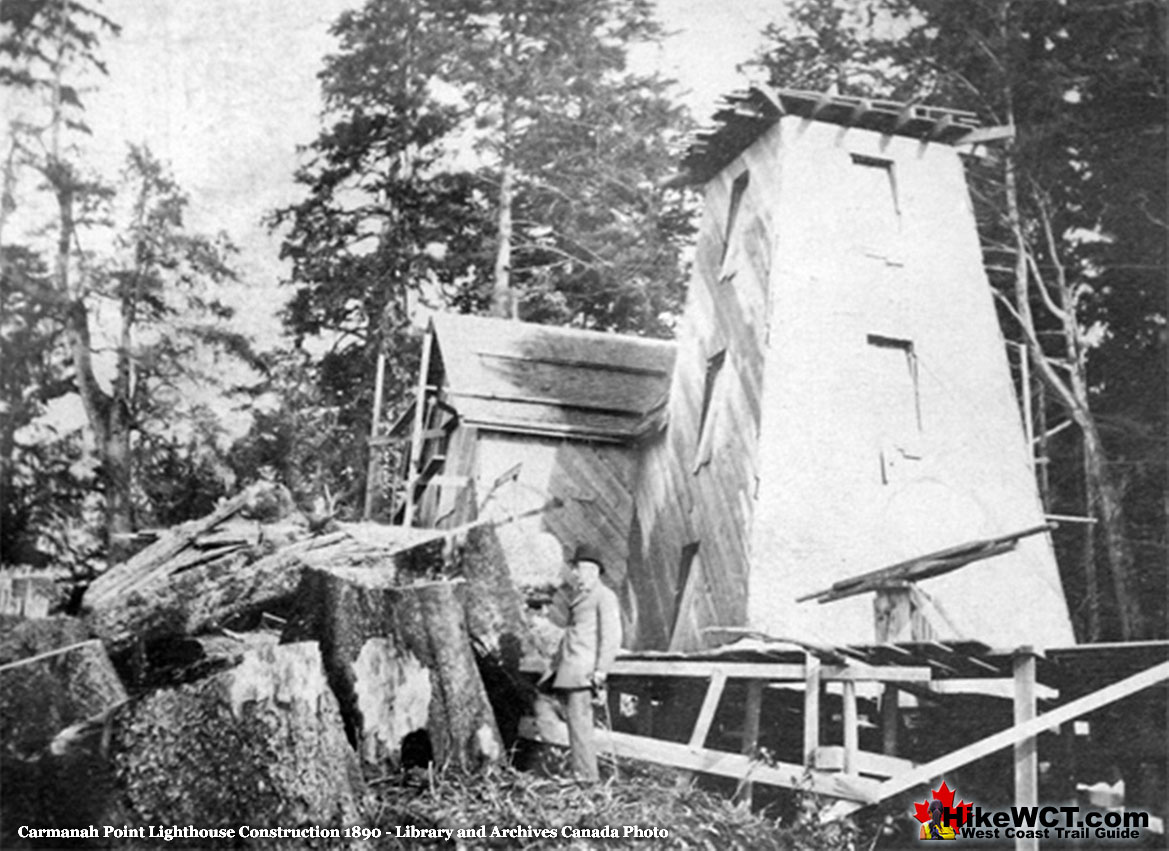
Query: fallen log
[[155, 560], [218, 593], [399, 660]]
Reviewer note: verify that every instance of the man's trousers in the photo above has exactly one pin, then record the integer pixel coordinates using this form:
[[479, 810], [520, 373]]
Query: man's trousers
[[582, 739]]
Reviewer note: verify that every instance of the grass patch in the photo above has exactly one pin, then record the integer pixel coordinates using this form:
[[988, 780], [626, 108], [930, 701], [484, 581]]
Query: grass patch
[[504, 798]]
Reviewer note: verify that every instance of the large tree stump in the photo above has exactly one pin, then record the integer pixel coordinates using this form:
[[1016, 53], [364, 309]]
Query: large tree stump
[[40, 695], [31, 637], [497, 621], [260, 744], [399, 660], [495, 609]]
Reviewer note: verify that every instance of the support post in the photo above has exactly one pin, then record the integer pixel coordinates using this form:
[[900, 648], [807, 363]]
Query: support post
[[811, 709], [1026, 752], [892, 614], [890, 719], [752, 710], [714, 693], [851, 734]]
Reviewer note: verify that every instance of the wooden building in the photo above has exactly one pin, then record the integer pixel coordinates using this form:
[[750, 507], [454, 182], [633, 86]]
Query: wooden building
[[517, 416], [839, 398]]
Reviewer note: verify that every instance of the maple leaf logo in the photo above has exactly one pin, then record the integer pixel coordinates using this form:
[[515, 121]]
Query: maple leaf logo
[[921, 811]]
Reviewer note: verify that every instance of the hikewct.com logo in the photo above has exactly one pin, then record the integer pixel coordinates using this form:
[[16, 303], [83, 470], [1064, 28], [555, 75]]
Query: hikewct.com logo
[[941, 819]]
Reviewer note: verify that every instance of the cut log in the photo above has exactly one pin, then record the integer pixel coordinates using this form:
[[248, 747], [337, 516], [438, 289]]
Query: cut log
[[41, 694], [260, 745], [399, 660]]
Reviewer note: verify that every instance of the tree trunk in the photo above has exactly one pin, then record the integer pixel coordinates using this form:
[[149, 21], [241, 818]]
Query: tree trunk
[[503, 300], [1073, 394], [399, 660], [1108, 507], [1088, 556], [117, 479]]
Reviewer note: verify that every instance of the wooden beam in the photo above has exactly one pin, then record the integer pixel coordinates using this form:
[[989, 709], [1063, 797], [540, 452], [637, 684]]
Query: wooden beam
[[769, 95], [1005, 738], [851, 733], [783, 774], [772, 671], [811, 708], [714, 693], [940, 126], [890, 719], [982, 135], [1026, 754], [752, 710], [862, 107], [831, 758]]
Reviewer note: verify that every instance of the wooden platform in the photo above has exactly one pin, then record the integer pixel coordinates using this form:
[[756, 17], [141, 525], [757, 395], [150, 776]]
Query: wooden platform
[[856, 778]]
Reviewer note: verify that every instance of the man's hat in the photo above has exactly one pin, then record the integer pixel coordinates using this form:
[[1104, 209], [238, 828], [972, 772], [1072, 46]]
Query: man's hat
[[587, 552]]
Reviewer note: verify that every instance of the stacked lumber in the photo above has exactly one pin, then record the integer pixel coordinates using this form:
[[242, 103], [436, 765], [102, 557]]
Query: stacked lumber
[[251, 663]]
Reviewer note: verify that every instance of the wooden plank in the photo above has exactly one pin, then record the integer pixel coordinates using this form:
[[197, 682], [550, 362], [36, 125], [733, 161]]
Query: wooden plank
[[721, 763], [925, 566], [811, 708], [831, 758], [1026, 752], [851, 733], [1017, 733], [714, 693], [776, 671], [987, 134]]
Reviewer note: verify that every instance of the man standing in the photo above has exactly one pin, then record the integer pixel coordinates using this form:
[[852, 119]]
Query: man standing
[[591, 617]]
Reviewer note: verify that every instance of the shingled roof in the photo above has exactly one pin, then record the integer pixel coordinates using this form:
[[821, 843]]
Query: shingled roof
[[539, 379], [745, 115]]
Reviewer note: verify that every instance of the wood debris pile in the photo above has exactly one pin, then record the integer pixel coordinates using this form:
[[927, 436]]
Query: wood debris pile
[[251, 667]]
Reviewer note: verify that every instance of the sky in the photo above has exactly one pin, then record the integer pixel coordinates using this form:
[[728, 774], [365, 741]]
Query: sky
[[226, 90]]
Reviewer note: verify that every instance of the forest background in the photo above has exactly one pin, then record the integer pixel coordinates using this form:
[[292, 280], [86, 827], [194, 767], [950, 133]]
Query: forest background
[[510, 157]]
